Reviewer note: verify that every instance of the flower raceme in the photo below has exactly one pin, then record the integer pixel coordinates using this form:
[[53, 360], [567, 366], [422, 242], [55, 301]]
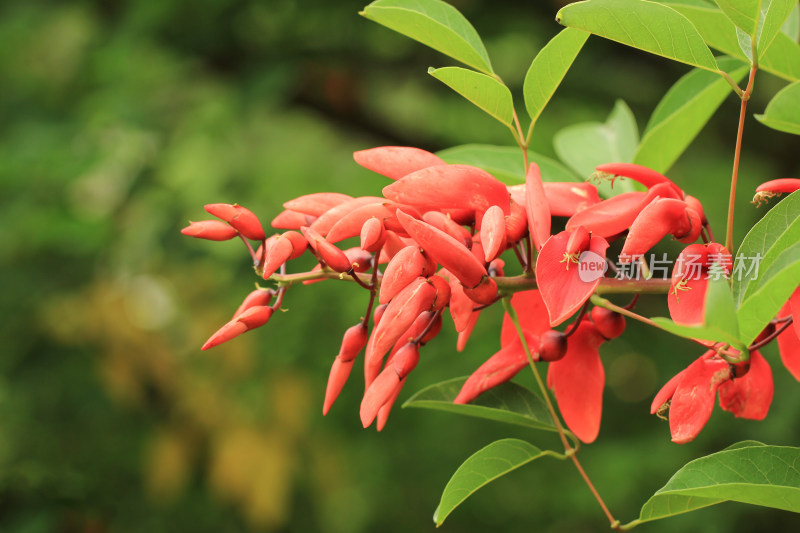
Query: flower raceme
[[433, 241]]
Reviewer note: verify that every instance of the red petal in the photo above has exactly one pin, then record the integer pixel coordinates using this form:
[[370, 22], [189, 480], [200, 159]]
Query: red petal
[[794, 306], [609, 217], [687, 300], [694, 397], [403, 268], [493, 233], [498, 369], [394, 162], [566, 199], [666, 393], [751, 395], [578, 380], [532, 315], [559, 281], [316, 203], [789, 344], [537, 207]]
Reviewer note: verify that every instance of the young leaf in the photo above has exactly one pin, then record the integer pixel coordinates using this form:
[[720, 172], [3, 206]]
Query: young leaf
[[791, 28], [433, 23], [484, 91], [774, 233], [755, 474], [782, 58], [484, 466], [743, 13], [549, 67], [774, 288], [505, 162], [584, 146], [509, 403], [683, 112], [775, 14], [783, 111], [645, 25]]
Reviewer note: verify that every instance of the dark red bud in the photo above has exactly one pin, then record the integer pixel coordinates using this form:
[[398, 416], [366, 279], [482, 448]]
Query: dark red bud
[[552, 346], [609, 323]]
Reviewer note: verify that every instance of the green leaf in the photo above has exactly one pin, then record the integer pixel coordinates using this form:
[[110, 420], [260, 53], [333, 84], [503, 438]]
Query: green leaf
[[586, 145], [743, 444], [771, 236], [549, 67], [754, 474], [484, 466], [433, 23], [505, 162], [648, 26], [682, 113], [783, 111], [777, 11], [781, 59], [773, 290], [706, 333], [484, 91], [509, 403], [743, 13], [791, 28]]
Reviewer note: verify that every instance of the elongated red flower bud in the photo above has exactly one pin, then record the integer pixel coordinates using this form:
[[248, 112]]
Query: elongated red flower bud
[[402, 269], [443, 222], [316, 203], [484, 293], [278, 252], [378, 313], [461, 305], [291, 220], [212, 230], [299, 243], [567, 199], [493, 232], [398, 317], [333, 257], [388, 381], [386, 408], [373, 235], [360, 259], [516, 224], [259, 297], [609, 217], [646, 176], [250, 319], [326, 220], [241, 218], [415, 330], [663, 217], [394, 162], [350, 224], [449, 186], [537, 207], [353, 341], [447, 251], [773, 188]]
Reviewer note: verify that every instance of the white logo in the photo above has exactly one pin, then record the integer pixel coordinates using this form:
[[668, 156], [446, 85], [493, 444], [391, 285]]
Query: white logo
[[591, 266]]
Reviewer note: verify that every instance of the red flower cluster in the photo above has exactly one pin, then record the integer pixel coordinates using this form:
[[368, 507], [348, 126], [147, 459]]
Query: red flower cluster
[[440, 230]]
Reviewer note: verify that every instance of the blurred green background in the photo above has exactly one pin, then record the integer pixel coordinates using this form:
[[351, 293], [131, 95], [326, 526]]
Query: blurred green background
[[119, 120]]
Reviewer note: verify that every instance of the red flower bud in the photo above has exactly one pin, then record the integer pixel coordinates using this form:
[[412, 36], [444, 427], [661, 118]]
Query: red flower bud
[[259, 297], [353, 341], [516, 224], [537, 207], [567, 199], [609, 323], [484, 293], [403, 268], [333, 257], [350, 224], [373, 235], [658, 219], [213, 230], [442, 292], [463, 336], [394, 162], [316, 203], [388, 381], [493, 232], [609, 217], [443, 222], [643, 175], [250, 319], [552, 346], [292, 220], [326, 220], [244, 220]]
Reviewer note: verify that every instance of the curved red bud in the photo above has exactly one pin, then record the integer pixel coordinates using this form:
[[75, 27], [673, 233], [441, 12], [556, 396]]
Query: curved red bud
[[578, 380], [316, 203], [749, 396], [393, 244], [259, 297], [360, 259], [449, 186], [657, 220], [560, 278], [378, 313], [693, 400], [695, 227], [445, 250], [532, 314], [353, 341], [279, 250], [484, 293], [609, 217], [394, 162], [333, 256], [567, 199], [646, 176], [498, 369], [496, 268], [516, 224], [552, 346], [326, 220], [241, 218], [769, 189], [291, 220], [442, 292], [386, 408], [443, 222], [251, 318], [461, 305], [212, 230], [389, 382], [463, 336], [373, 235], [403, 268], [350, 224], [695, 204], [537, 207], [493, 232]]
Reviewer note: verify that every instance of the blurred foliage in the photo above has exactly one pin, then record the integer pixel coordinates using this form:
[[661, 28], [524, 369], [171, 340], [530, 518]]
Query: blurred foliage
[[119, 120]]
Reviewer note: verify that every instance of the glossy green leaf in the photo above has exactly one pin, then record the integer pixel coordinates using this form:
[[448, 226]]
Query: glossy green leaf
[[771, 236], [775, 285], [748, 472], [549, 67], [505, 162], [586, 145], [645, 25], [743, 13], [782, 58], [683, 112], [776, 13], [484, 466], [433, 23], [783, 111], [484, 91], [706, 333], [509, 403]]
